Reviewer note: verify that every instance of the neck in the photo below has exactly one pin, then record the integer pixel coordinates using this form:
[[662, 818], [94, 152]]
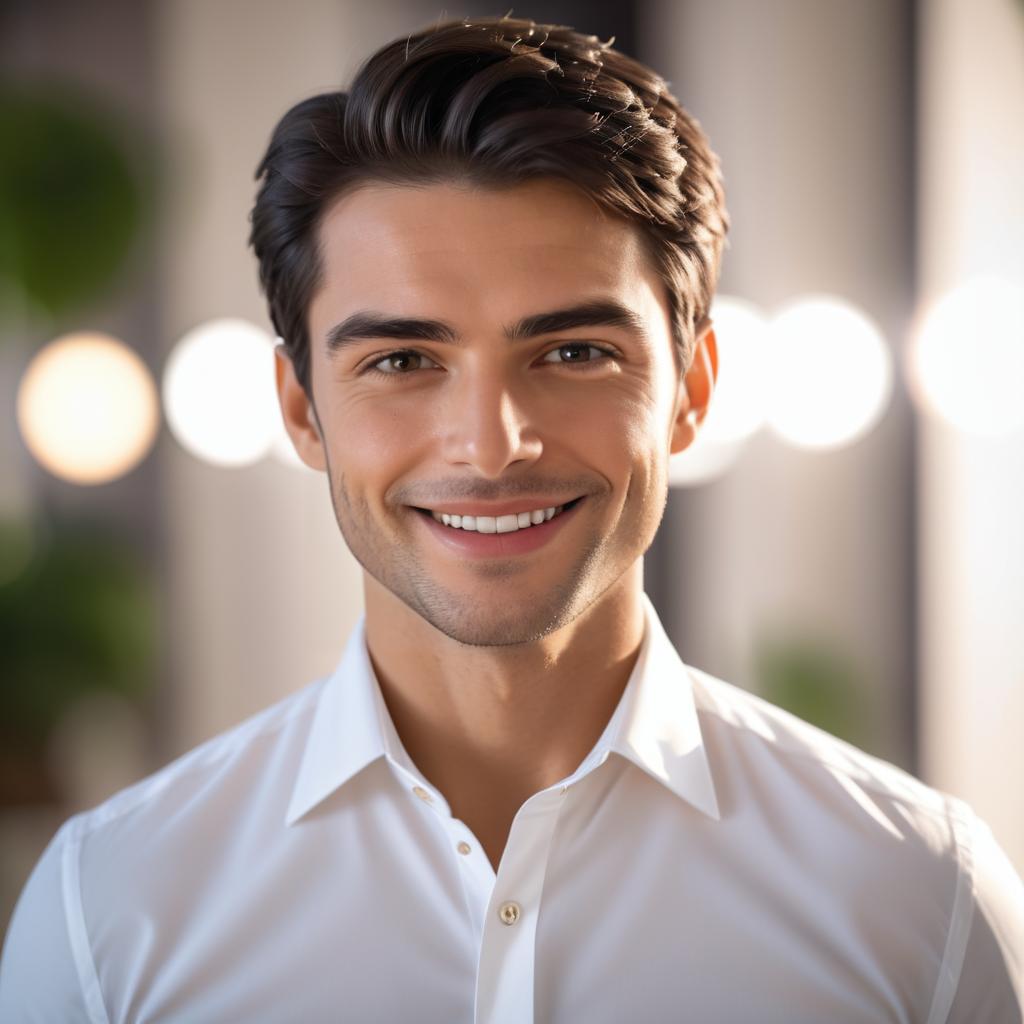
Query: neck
[[493, 725]]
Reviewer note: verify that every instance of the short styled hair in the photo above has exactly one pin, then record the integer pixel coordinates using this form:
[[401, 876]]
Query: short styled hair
[[494, 102]]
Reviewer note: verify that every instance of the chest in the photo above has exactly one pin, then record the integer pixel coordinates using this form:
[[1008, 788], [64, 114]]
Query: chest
[[609, 905]]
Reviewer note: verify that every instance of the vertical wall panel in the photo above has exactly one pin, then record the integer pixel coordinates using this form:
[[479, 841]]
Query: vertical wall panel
[[263, 589], [809, 105], [972, 489]]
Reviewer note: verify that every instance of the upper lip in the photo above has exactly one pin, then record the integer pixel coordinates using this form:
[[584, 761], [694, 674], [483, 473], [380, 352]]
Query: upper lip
[[508, 508]]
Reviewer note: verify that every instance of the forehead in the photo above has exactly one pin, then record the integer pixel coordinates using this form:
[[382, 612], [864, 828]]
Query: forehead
[[476, 255]]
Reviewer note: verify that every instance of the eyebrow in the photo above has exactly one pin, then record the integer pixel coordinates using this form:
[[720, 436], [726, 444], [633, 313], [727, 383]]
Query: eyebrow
[[372, 324]]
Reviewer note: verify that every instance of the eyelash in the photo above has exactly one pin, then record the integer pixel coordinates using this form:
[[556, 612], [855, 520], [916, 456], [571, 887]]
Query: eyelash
[[372, 367]]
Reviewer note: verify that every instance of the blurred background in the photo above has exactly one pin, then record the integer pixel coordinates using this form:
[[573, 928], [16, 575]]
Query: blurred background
[[845, 539]]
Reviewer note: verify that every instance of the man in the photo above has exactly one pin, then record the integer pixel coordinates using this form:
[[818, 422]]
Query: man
[[491, 264]]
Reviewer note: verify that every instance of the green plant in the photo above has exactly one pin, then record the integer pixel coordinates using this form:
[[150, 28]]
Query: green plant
[[818, 683], [78, 618], [72, 198]]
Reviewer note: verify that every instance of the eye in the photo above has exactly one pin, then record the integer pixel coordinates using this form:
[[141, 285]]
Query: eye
[[399, 363], [578, 352]]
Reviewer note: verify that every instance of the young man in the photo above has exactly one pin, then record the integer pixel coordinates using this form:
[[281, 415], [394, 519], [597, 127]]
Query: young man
[[491, 264]]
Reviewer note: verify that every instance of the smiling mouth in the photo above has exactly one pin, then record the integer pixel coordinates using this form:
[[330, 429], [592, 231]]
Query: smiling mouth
[[510, 523]]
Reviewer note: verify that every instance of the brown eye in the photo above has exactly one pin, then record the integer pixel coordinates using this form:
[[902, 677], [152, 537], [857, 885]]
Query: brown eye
[[576, 352], [395, 364]]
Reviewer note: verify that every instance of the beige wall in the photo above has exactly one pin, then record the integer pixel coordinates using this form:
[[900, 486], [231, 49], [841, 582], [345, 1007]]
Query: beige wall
[[262, 590], [807, 104], [972, 490]]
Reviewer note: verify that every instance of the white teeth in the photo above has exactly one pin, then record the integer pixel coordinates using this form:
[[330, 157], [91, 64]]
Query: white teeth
[[498, 524], [506, 524]]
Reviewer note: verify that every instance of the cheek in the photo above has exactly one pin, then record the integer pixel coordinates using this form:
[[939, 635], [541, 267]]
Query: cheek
[[628, 420], [375, 432]]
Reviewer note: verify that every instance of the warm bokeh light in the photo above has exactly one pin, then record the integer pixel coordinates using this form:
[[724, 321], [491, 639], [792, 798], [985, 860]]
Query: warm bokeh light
[[830, 373], [87, 408], [705, 460], [966, 361], [737, 403], [219, 393], [737, 406]]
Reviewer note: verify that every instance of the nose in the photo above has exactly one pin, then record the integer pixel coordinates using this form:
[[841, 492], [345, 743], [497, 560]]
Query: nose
[[488, 426]]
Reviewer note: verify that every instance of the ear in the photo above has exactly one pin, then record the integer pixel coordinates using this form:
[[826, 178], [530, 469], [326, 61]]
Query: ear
[[298, 412], [696, 388]]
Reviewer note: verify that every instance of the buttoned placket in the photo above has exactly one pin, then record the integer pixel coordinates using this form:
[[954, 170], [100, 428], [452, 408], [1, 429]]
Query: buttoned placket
[[505, 967], [474, 868], [505, 906]]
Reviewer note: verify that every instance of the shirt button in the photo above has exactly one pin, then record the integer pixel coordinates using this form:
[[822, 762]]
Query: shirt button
[[422, 794], [463, 848], [509, 912]]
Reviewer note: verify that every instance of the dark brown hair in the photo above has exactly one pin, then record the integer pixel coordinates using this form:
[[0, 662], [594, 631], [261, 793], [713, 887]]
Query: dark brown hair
[[494, 101]]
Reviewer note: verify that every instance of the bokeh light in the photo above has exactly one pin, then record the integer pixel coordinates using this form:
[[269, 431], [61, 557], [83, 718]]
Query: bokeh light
[[87, 408], [966, 360], [219, 393], [830, 373], [705, 460], [737, 406]]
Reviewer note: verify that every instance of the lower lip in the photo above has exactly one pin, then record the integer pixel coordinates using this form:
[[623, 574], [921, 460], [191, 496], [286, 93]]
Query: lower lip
[[497, 545]]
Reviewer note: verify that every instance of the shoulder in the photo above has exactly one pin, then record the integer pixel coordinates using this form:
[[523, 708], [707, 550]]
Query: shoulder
[[740, 724], [905, 858], [108, 865], [209, 782]]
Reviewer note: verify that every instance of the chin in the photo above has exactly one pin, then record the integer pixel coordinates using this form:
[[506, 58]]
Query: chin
[[475, 625], [493, 630]]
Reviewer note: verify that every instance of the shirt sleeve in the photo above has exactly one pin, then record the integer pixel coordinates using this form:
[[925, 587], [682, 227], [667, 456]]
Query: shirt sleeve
[[989, 918], [39, 974]]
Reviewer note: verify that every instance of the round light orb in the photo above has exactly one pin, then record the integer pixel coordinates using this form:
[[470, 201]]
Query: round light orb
[[87, 408], [703, 461], [965, 362], [737, 408], [219, 392], [830, 373]]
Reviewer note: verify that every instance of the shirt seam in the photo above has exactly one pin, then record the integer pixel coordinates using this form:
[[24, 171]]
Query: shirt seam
[[961, 917], [78, 934]]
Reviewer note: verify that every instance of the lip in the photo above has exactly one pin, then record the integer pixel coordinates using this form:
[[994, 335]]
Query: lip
[[497, 545]]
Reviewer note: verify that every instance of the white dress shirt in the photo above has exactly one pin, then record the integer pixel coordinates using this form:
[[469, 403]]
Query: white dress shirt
[[713, 859]]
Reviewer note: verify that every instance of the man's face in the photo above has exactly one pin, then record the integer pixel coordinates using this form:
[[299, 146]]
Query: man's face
[[485, 423]]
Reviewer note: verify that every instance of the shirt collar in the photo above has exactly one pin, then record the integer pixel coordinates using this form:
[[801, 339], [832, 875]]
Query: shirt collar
[[347, 732], [654, 726]]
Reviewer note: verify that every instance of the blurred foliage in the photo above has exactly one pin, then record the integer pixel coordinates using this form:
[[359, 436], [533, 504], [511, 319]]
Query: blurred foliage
[[71, 199], [77, 611], [819, 684], [79, 617]]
